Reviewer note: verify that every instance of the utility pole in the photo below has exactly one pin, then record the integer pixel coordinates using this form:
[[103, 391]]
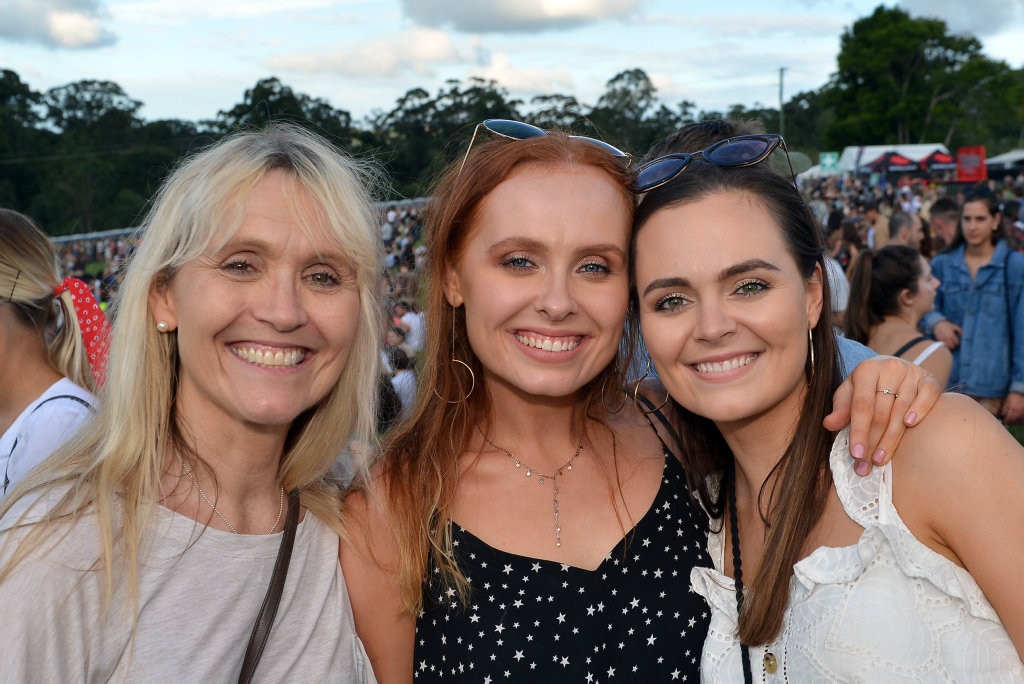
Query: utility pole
[[782, 111]]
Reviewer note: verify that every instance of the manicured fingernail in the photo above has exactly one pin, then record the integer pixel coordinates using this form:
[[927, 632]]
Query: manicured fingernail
[[862, 468], [878, 457], [911, 418], [858, 452]]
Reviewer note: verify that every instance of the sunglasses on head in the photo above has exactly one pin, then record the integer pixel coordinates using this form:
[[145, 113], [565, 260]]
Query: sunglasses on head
[[517, 130], [742, 150]]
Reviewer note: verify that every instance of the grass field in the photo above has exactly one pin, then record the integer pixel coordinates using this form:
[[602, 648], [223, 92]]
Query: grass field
[[1017, 431]]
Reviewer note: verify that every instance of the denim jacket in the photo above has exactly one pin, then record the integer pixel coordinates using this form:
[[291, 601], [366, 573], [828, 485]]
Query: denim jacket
[[983, 364]]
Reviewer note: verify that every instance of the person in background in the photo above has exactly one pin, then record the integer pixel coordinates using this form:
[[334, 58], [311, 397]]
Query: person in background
[[979, 309], [849, 242], [944, 218], [410, 321], [403, 379], [878, 223], [244, 356], [906, 228], [1013, 224], [891, 290], [53, 346], [531, 520], [816, 574], [840, 286]]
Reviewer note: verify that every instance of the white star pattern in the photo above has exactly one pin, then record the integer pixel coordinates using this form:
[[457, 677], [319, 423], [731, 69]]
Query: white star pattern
[[628, 628]]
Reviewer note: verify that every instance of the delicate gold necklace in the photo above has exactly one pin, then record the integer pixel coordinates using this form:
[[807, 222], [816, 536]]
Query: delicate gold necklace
[[188, 471], [541, 477]]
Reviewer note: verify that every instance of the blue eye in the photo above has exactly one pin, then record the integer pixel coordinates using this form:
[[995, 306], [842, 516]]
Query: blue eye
[[595, 268], [517, 263]]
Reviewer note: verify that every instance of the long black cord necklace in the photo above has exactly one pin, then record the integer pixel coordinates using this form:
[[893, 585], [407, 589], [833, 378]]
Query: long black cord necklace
[[737, 567]]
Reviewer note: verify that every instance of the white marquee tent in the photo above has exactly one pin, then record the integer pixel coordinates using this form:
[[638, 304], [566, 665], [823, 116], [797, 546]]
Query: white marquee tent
[[861, 156]]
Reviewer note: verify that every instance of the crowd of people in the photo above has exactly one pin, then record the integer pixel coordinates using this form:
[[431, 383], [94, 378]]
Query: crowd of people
[[595, 419]]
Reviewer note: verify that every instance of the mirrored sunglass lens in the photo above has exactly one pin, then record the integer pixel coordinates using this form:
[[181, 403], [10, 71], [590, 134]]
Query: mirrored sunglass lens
[[738, 152], [513, 129], [660, 171], [611, 149]]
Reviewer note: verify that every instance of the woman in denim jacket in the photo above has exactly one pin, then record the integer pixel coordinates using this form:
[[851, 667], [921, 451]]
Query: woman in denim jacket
[[979, 311]]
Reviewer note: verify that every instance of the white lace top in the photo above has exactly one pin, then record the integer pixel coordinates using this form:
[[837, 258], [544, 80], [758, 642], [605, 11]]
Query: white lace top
[[888, 609]]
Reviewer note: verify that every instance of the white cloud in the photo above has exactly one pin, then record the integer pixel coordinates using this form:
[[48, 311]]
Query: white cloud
[[509, 16], [55, 23], [980, 18], [160, 11], [525, 82], [417, 52]]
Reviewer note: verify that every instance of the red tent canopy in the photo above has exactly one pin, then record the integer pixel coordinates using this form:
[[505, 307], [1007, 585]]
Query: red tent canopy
[[938, 161], [892, 162]]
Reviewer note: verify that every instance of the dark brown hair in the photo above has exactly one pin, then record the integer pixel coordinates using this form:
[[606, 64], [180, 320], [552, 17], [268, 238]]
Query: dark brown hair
[[802, 472], [876, 280]]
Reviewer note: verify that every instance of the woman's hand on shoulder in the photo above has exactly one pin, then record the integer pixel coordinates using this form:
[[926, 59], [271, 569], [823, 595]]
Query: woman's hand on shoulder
[[882, 397], [958, 482]]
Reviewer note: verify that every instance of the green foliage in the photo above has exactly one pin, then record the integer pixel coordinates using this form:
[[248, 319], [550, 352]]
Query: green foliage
[[78, 158], [908, 80]]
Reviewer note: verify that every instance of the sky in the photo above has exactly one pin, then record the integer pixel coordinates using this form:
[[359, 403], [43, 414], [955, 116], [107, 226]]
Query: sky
[[189, 59]]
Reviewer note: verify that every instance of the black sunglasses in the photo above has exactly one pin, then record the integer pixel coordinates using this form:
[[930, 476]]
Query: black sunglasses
[[517, 130], [743, 150]]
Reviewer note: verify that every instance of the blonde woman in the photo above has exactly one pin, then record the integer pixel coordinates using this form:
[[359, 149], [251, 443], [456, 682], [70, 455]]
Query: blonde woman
[[244, 357], [53, 345]]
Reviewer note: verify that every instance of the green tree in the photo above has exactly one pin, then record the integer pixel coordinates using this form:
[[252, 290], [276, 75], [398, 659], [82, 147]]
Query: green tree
[[904, 80], [20, 139], [270, 100], [620, 112], [556, 112], [423, 133]]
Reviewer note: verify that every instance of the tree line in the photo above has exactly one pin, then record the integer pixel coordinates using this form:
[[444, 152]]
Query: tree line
[[79, 158]]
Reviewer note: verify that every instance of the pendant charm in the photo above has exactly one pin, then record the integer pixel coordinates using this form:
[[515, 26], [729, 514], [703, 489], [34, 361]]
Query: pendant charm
[[771, 663]]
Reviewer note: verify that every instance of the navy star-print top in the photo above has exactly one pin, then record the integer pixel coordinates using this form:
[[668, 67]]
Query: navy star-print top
[[632, 619]]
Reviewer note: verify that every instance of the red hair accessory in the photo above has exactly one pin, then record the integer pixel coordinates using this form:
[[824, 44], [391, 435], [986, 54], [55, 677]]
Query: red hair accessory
[[93, 323]]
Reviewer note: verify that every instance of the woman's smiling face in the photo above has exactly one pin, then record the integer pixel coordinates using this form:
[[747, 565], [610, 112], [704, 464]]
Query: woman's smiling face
[[723, 307], [265, 324], [543, 278]]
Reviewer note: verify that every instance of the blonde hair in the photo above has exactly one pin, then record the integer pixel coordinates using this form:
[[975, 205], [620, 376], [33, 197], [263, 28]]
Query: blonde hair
[[29, 273], [114, 467]]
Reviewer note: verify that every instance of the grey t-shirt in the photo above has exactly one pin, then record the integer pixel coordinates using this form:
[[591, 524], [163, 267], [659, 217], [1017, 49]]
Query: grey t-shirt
[[200, 590]]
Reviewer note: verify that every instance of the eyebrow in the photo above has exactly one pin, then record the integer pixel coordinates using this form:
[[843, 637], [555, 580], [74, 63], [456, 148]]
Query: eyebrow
[[330, 256], [730, 272], [531, 245]]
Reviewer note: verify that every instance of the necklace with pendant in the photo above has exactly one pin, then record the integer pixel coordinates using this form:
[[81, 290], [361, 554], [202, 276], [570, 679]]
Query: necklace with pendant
[[541, 477]]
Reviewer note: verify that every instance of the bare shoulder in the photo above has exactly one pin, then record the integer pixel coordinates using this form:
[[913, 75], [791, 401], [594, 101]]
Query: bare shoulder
[[957, 427], [365, 518], [959, 451]]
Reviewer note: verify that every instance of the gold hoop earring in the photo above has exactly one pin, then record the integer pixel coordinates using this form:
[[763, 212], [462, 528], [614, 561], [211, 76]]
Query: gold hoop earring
[[810, 347], [604, 393], [453, 360], [636, 389]]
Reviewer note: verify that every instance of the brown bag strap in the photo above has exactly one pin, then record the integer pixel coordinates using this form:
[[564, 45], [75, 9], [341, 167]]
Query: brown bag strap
[[265, 620]]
